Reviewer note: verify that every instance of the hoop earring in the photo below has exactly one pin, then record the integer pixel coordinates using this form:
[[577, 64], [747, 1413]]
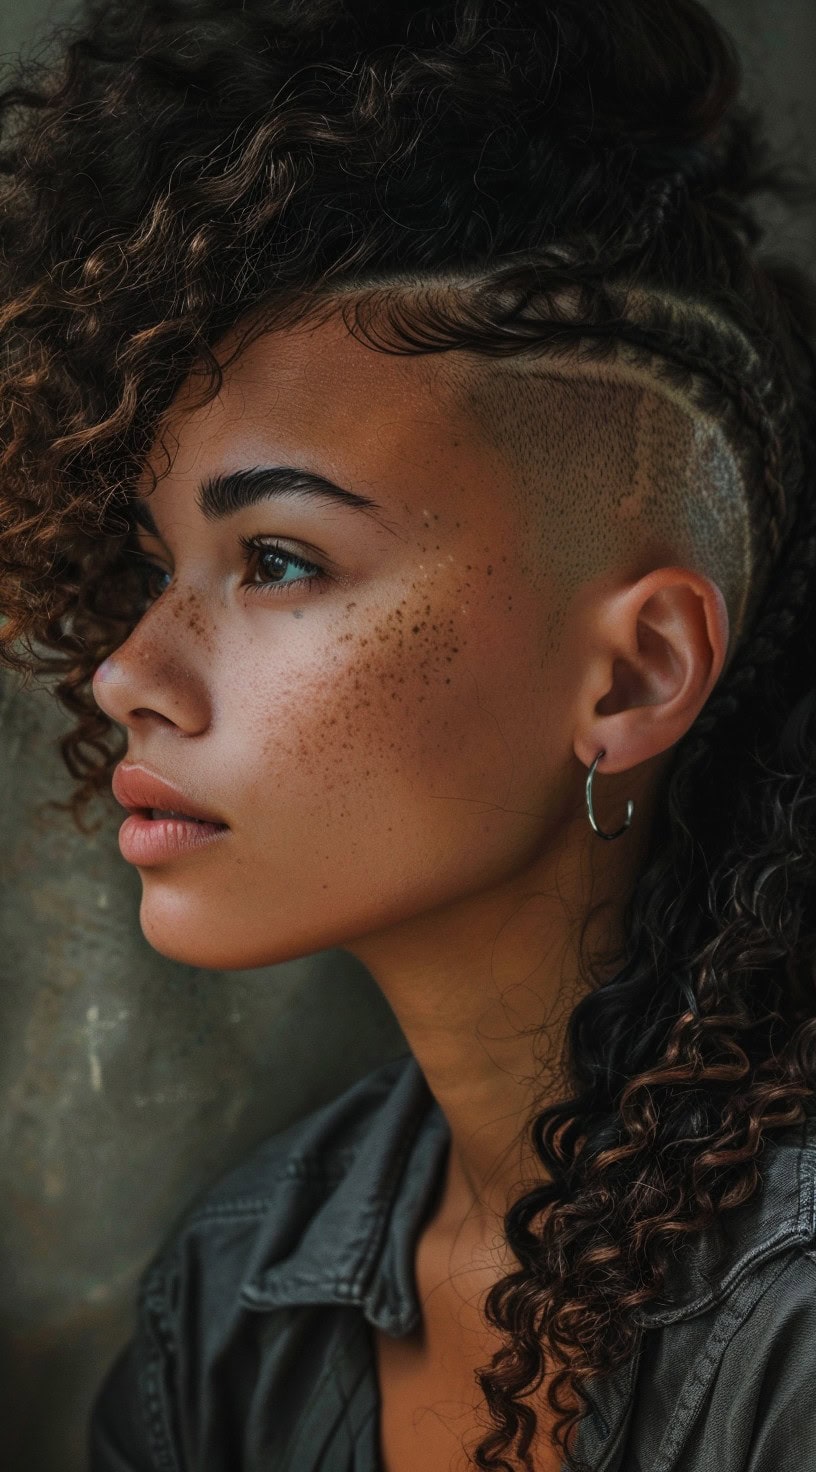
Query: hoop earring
[[630, 806]]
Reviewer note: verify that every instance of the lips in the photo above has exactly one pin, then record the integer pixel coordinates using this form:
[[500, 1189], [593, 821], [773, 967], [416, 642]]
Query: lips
[[139, 790]]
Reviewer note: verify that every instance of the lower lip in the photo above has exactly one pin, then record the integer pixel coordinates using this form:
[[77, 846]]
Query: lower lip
[[155, 840]]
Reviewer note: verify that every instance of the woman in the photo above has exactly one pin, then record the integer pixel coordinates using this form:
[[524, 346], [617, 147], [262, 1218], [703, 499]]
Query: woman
[[406, 444]]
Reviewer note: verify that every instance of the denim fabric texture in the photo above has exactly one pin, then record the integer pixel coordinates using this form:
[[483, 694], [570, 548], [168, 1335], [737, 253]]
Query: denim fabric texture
[[253, 1350]]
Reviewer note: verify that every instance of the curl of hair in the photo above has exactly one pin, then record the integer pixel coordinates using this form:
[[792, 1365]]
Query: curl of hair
[[506, 176]]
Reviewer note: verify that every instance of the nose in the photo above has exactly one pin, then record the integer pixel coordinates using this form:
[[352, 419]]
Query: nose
[[136, 684]]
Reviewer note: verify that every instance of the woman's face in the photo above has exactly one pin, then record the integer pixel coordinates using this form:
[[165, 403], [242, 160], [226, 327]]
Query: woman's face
[[389, 739]]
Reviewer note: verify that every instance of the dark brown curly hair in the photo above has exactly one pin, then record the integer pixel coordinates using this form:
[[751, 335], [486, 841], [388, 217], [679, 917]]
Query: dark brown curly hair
[[505, 176]]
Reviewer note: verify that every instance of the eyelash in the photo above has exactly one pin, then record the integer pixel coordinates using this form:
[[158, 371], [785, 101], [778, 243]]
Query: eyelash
[[262, 545]]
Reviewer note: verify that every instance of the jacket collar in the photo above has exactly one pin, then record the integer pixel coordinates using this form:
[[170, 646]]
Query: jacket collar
[[373, 1194], [781, 1213]]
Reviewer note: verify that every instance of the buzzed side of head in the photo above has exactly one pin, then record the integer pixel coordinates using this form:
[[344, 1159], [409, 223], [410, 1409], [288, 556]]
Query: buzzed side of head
[[616, 472]]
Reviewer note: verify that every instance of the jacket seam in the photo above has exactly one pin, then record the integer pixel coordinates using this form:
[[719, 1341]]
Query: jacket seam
[[155, 1407], [249, 1205]]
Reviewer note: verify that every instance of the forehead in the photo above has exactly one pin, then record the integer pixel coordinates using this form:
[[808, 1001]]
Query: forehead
[[424, 423], [386, 426], [321, 379]]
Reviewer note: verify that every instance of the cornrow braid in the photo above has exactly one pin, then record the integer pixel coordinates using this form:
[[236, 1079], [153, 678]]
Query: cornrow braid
[[664, 197]]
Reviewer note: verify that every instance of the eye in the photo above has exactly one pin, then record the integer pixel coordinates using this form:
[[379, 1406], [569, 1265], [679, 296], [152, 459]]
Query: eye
[[269, 553], [147, 573], [258, 552]]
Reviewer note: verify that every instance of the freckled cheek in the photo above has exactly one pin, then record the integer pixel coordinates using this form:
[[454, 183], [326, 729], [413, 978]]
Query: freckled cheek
[[476, 695], [379, 706]]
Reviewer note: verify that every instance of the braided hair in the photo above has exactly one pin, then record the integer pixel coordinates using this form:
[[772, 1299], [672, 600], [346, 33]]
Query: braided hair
[[507, 177]]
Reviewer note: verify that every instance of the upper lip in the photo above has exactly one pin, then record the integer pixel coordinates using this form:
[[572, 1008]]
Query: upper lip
[[137, 789]]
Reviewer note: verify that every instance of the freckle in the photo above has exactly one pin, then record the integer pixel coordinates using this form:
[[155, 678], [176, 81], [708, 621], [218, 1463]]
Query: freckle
[[489, 568]]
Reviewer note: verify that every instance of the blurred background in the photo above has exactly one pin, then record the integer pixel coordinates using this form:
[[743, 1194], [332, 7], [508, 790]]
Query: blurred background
[[127, 1081]]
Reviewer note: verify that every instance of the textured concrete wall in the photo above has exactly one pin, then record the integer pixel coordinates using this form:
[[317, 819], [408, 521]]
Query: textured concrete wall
[[127, 1081]]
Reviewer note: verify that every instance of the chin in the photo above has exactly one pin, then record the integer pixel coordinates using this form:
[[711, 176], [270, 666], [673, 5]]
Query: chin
[[181, 933], [187, 950], [185, 937]]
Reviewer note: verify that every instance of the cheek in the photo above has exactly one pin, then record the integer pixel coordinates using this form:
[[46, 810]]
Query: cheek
[[379, 706], [430, 704]]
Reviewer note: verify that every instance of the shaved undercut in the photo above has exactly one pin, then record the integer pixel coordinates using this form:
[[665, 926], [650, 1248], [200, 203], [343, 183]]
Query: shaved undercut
[[616, 472]]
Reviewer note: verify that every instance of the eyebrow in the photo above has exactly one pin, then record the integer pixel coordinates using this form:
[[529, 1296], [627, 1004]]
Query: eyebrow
[[221, 496]]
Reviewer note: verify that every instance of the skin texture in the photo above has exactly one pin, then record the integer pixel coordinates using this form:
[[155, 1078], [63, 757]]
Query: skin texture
[[401, 752]]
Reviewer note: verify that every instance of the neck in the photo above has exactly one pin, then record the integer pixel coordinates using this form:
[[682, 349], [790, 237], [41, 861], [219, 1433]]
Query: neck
[[483, 991]]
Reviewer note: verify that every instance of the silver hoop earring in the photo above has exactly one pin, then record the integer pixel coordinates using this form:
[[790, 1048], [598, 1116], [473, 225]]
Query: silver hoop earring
[[630, 806]]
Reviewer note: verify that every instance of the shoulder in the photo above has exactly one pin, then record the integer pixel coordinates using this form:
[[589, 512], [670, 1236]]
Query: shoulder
[[741, 1377], [729, 1357]]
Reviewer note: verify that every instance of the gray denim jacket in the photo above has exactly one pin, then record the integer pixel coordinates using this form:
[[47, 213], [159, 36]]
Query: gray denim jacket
[[253, 1351]]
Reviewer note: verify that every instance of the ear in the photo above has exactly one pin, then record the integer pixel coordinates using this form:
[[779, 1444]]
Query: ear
[[656, 651]]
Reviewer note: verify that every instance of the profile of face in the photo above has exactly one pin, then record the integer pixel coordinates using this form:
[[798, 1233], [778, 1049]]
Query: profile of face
[[376, 703]]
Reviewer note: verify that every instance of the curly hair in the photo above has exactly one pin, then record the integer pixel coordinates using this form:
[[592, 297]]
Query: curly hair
[[506, 177]]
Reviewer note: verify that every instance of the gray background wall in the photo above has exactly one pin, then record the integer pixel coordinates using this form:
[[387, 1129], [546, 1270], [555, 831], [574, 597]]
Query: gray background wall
[[127, 1081]]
